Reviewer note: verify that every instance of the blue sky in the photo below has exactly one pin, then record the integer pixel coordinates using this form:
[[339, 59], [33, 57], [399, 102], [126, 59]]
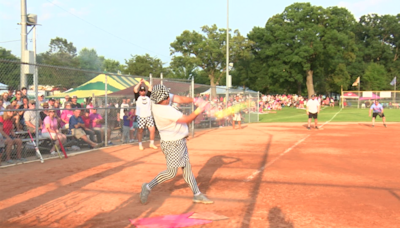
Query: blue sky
[[121, 28]]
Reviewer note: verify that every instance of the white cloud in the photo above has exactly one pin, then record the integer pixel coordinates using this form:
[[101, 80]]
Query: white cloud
[[51, 4], [10, 10], [77, 12], [363, 7], [58, 9], [8, 3]]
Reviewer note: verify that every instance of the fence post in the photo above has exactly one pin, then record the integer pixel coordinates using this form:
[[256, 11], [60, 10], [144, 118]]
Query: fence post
[[192, 95], [209, 100], [151, 79], [249, 107], [161, 77], [258, 106], [36, 85], [341, 96], [106, 111]]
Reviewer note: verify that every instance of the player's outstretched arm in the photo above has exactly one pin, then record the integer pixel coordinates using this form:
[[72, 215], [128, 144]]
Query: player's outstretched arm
[[182, 99], [187, 119]]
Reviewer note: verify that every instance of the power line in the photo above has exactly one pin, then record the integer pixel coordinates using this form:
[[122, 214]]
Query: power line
[[112, 34], [9, 41]]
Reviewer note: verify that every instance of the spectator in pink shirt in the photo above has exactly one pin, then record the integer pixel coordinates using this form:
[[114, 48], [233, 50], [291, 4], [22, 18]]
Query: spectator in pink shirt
[[65, 116], [50, 126], [90, 107], [97, 125]]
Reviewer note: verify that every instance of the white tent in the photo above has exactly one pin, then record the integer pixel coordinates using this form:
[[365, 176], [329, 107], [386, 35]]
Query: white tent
[[3, 86], [222, 90]]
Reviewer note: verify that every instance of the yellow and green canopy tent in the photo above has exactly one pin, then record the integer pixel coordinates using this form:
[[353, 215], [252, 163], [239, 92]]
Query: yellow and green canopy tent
[[96, 86]]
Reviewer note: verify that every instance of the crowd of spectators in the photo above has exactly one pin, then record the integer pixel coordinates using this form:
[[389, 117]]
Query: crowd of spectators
[[58, 118], [266, 103], [85, 121]]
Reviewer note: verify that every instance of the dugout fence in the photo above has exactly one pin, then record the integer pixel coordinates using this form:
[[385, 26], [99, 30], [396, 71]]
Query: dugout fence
[[364, 99], [103, 90]]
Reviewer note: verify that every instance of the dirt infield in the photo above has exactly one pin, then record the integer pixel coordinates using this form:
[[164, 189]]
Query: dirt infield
[[265, 175]]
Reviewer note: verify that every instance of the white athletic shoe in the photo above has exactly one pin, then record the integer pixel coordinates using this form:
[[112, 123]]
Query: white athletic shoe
[[144, 194], [202, 199], [141, 147], [153, 146]]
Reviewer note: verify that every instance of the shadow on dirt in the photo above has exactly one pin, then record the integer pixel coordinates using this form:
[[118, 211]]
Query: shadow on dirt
[[257, 180], [277, 219]]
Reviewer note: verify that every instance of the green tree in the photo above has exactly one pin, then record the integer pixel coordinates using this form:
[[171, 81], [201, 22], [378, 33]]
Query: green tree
[[208, 51], [378, 38], [375, 78], [61, 53], [182, 67], [340, 78], [145, 65], [113, 66], [304, 44], [9, 72], [89, 60], [6, 54]]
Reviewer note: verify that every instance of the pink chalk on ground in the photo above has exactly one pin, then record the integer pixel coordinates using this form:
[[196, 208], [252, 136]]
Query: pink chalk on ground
[[168, 221]]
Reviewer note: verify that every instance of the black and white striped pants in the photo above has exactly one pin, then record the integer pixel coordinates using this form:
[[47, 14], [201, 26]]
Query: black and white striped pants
[[171, 173]]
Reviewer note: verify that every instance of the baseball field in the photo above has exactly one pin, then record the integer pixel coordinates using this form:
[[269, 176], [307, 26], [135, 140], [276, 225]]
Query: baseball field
[[265, 175]]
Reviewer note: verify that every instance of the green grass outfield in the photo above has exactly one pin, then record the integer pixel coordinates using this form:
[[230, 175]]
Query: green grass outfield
[[346, 115]]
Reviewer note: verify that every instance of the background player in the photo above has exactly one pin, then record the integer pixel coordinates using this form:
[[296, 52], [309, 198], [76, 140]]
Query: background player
[[377, 110], [143, 113], [312, 109]]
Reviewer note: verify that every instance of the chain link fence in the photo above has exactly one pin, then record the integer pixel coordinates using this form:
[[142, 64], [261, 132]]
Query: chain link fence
[[57, 92], [364, 99]]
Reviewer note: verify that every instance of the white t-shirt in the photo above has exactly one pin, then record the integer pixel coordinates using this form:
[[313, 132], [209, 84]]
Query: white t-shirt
[[312, 105], [121, 111], [143, 106], [264, 99], [165, 117]]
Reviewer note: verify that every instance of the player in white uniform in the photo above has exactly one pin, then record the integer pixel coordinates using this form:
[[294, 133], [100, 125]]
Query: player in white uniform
[[237, 117], [143, 113], [174, 130], [313, 108]]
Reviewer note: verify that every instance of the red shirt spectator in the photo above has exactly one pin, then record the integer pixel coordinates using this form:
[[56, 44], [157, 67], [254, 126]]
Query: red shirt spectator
[[86, 119], [7, 125]]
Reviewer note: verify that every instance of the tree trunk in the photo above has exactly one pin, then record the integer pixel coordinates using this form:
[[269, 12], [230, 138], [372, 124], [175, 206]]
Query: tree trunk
[[299, 88], [310, 83], [213, 87]]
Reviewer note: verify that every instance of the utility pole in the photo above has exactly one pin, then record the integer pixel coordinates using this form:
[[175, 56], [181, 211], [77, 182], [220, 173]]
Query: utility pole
[[23, 80], [227, 53]]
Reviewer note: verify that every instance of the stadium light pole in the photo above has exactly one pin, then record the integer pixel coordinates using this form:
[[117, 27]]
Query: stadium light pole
[[227, 53], [23, 81]]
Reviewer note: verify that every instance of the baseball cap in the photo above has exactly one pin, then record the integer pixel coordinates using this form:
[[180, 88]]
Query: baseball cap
[[45, 104], [32, 102], [75, 97], [52, 99], [312, 95], [142, 88], [159, 93]]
